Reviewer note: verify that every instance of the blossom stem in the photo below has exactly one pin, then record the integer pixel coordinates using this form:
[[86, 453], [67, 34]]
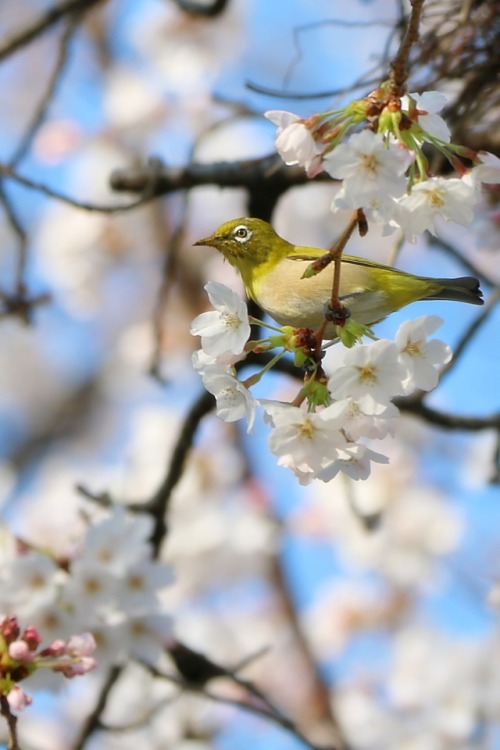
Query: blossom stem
[[253, 379], [257, 322]]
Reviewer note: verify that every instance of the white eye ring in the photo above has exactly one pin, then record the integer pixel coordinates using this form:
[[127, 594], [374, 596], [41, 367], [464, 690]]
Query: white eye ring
[[241, 233]]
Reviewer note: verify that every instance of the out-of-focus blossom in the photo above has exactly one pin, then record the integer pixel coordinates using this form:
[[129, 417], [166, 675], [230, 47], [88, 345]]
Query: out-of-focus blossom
[[428, 105]]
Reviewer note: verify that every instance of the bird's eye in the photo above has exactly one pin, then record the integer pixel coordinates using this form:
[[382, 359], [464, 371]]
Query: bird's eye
[[242, 233]]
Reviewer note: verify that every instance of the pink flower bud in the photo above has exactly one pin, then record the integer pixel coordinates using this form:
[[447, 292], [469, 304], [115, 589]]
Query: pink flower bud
[[9, 628], [56, 648], [76, 668], [18, 699], [20, 651], [32, 637], [81, 645]]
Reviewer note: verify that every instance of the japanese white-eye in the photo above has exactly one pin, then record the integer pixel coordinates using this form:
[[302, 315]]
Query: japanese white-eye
[[272, 271]]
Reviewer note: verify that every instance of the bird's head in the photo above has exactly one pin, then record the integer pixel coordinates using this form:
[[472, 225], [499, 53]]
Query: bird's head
[[247, 243]]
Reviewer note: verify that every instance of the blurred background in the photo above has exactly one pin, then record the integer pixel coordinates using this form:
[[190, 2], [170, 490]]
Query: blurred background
[[367, 610]]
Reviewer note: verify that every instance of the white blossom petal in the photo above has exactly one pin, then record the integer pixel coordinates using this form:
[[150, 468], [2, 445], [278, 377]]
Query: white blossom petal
[[225, 329]]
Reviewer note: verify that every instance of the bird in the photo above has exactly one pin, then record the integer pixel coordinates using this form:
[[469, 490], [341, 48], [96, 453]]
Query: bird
[[272, 272]]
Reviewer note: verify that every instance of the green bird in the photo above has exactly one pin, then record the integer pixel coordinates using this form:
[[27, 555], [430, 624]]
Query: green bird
[[272, 271]]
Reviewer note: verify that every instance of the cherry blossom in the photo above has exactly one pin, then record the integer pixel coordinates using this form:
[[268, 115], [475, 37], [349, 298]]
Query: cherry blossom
[[423, 359], [433, 199], [314, 445], [487, 170], [427, 106], [371, 375], [295, 142], [375, 426], [18, 699], [117, 542], [234, 401], [225, 329], [306, 441], [370, 166], [382, 209]]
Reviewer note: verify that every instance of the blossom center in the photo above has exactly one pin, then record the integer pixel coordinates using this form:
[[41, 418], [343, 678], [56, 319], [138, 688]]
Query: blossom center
[[436, 198], [37, 581], [306, 430], [370, 163], [230, 320], [230, 394], [413, 348], [367, 374], [136, 582], [92, 585]]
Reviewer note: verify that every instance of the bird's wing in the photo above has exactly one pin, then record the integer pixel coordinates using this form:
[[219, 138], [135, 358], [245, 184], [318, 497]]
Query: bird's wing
[[306, 253], [312, 253]]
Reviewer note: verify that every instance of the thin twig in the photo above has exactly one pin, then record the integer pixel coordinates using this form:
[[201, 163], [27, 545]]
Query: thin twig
[[339, 22], [336, 255], [22, 241], [268, 711], [360, 83], [92, 722], [335, 310], [45, 21], [321, 694], [149, 193], [167, 282], [141, 723], [399, 65], [46, 100]]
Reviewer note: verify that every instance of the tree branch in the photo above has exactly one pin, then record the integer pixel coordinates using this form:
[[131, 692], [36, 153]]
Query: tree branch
[[263, 707], [149, 191], [399, 65], [92, 722], [412, 405], [268, 172], [158, 504], [201, 9]]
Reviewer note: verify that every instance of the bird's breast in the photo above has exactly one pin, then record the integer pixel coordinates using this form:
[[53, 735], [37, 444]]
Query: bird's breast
[[291, 300]]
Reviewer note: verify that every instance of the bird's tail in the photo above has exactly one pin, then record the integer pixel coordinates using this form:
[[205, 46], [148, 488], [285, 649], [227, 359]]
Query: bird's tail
[[464, 289]]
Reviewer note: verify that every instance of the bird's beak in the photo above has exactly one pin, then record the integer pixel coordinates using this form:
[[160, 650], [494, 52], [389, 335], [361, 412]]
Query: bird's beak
[[209, 241]]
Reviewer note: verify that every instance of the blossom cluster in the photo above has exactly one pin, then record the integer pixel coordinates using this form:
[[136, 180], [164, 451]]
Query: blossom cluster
[[382, 168], [391, 710], [110, 588], [20, 657], [326, 431]]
